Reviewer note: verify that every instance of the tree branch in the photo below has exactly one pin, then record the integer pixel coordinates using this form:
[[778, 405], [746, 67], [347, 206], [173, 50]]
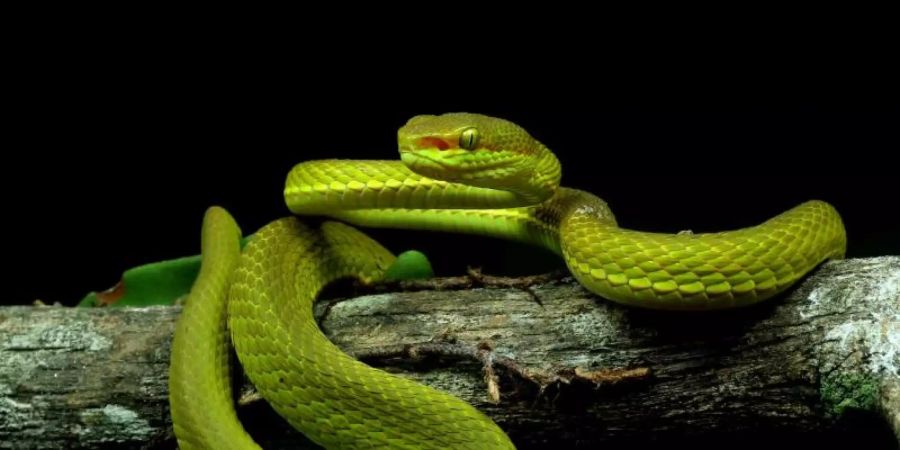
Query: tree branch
[[554, 365]]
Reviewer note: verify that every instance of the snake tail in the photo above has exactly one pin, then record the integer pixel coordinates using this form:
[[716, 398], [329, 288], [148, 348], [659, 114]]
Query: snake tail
[[200, 391]]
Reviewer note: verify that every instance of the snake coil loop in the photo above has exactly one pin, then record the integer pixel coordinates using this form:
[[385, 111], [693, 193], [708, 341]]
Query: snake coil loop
[[462, 173]]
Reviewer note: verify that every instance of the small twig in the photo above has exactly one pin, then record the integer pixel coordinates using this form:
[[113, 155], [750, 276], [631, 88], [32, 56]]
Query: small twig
[[534, 296], [473, 278], [484, 353], [514, 282], [611, 376], [525, 284]]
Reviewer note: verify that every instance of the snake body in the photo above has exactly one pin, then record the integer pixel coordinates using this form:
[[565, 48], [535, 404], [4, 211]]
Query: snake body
[[463, 173]]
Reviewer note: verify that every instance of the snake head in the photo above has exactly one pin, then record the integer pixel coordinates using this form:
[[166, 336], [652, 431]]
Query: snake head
[[468, 148]]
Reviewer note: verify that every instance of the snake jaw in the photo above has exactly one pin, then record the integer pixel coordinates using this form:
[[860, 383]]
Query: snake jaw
[[419, 163], [432, 163], [482, 167]]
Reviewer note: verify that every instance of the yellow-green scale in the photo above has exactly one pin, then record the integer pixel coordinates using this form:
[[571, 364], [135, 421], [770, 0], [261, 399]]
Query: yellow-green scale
[[332, 398]]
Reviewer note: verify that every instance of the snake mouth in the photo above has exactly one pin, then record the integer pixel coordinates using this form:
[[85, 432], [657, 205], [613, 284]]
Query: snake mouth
[[433, 142], [427, 142]]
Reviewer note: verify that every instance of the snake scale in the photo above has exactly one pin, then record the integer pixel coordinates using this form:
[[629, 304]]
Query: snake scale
[[462, 173]]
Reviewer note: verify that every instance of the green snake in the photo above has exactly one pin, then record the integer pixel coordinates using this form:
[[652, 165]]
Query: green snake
[[462, 173]]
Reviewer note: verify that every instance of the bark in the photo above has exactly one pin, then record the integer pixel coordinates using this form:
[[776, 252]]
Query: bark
[[554, 365]]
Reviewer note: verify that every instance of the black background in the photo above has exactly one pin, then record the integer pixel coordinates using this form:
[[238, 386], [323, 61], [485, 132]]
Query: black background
[[115, 145], [118, 175]]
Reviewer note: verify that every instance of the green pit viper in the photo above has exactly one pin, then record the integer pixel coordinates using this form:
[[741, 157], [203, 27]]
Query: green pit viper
[[462, 173]]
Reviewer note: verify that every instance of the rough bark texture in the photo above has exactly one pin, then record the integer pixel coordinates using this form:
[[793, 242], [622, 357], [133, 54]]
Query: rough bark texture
[[572, 370]]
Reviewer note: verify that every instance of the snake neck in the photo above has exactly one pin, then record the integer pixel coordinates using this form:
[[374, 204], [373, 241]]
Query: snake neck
[[535, 181], [545, 175]]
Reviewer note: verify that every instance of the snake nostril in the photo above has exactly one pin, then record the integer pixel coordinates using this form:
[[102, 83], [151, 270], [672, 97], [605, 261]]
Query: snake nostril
[[428, 142]]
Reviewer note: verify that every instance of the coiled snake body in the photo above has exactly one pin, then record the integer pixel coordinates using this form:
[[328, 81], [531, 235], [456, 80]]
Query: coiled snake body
[[462, 173]]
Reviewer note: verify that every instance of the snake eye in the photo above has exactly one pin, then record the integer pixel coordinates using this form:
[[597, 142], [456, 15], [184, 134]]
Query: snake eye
[[468, 139]]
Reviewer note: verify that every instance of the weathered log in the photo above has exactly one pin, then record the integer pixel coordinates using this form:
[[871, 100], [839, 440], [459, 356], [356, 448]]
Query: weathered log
[[571, 369]]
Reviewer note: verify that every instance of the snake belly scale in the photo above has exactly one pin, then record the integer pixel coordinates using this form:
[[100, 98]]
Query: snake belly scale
[[462, 173]]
